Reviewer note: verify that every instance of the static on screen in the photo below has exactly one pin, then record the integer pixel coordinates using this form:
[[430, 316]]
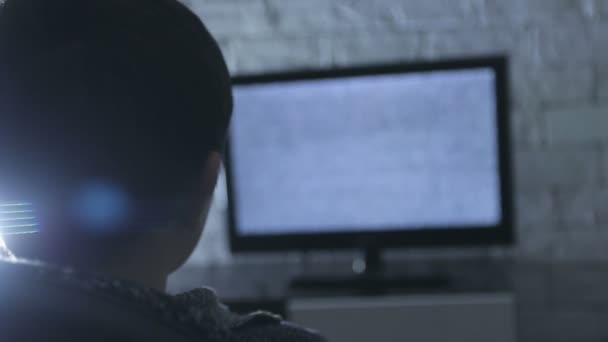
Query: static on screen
[[370, 153]]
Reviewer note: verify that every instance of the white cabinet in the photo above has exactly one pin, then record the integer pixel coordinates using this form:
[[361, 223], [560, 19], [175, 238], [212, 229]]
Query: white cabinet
[[417, 318]]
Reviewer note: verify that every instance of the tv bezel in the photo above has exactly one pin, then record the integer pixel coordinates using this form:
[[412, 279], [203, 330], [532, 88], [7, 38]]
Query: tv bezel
[[499, 234]]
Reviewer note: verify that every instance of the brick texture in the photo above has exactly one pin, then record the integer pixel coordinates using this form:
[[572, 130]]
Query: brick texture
[[369, 48], [603, 8], [602, 84], [268, 54], [232, 18], [523, 12], [552, 87], [566, 44], [560, 166], [578, 124], [527, 128]]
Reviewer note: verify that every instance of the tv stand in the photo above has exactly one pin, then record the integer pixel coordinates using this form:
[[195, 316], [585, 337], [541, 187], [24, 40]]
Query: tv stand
[[368, 277]]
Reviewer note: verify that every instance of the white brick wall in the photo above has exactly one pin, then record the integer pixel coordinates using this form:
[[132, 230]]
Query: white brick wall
[[602, 84], [544, 206], [528, 128], [230, 19], [552, 87], [576, 209], [577, 124], [559, 51], [372, 48], [268, 54], [518, 12], [565, 43], [296, 17], [603, 8], [600, 50]]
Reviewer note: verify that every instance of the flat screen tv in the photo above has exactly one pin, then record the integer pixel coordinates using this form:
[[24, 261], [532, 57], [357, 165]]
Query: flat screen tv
[[413, 154]]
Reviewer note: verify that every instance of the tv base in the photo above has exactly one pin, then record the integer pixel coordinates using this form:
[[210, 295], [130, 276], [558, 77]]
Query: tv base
[[368, 284], [369, 277]]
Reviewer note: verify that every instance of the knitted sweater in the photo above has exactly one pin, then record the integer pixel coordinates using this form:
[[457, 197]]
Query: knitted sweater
[[197, 313]]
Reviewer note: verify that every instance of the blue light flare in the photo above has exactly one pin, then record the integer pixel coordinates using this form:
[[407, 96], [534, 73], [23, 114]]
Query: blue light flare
[[101, 207]]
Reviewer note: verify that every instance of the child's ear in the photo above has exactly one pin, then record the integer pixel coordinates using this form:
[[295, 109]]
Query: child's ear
[[211, 172]]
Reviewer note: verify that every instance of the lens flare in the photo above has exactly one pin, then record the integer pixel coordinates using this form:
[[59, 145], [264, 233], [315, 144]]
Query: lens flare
[[17, 218], [102, 206], [4, 251]]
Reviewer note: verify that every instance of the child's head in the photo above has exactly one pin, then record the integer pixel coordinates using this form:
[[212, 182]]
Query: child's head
[[113, 115]]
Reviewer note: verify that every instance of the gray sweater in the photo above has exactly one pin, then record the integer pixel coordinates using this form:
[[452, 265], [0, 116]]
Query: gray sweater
[[254, 327], [198, 313]]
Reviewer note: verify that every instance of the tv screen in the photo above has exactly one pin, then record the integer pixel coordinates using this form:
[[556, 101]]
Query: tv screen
[[366, 153]]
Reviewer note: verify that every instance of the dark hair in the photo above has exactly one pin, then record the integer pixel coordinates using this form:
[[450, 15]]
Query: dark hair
[[132, 93]]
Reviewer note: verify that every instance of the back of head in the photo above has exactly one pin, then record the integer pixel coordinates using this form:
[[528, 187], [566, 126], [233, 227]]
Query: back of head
[[108, 111]]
